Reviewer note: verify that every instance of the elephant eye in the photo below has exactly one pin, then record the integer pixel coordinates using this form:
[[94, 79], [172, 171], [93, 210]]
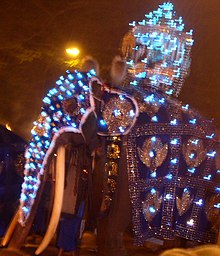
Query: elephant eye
[[97, 90]]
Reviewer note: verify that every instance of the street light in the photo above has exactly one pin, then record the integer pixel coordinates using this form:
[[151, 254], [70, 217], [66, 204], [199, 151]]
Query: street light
[[73, 60], [73, 52]]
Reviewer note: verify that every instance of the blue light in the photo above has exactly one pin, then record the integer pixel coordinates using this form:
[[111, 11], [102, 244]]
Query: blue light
[[23, 197], [162, 100], [80, 83], [141, 75], [149, 98], [71, 77], [210, 136], [72, 86], [199, 202], [73, 125], [151, 153], [59, 82], [60, 97], [174, 141], [169, 176], [191, 170], [152, 209], [211, 154], [81, 97], [47, 100], [153, 175], [207, 177], [133, 24], [170, 92], [82, 111], [62, 88], [154, 119], [217, 189], [117, 112], [25, 209], [131, 113], [217, 205], [168, 196], [134, 83], [153, 191], [185, 190], [174, 161], [193, 121], [173, 122], [69, 93], [121, 97], [192, 155], [79, 75], [153, 139], [121, 129], [93, 72]]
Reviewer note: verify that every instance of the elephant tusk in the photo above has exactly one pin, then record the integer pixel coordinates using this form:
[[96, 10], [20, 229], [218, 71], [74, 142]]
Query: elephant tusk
[[58, 200], [10, 229]]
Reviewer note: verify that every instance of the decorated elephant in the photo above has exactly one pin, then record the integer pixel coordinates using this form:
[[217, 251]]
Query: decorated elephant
[[150, 157]]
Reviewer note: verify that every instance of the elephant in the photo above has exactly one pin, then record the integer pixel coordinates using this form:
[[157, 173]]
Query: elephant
[[148, 156]]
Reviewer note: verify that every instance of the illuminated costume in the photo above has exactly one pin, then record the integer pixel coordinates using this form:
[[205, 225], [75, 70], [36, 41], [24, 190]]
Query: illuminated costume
[[171, 149], [161, 151]]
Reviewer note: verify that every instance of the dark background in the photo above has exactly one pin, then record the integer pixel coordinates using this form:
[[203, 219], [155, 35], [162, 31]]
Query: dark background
[[35, 33]]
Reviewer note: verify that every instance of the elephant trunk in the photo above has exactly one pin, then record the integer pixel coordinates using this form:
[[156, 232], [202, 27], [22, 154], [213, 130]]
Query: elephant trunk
[[58, 200]]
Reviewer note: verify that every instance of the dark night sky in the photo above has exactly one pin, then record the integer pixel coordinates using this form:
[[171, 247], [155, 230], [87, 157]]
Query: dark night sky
[[35, 33]]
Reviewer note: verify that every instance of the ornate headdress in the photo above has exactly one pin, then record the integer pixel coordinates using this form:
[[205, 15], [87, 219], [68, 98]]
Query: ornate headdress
[[157, 49]]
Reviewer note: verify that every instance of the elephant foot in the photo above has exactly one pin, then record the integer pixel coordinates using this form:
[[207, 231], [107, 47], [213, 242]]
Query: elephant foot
[[12, 252], [114, 246]]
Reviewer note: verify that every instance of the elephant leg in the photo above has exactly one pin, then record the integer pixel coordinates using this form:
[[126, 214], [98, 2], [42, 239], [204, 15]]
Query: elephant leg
[[111, 228]]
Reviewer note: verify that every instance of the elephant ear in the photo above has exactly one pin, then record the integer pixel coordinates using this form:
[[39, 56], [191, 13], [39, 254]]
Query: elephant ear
[[66, 108]]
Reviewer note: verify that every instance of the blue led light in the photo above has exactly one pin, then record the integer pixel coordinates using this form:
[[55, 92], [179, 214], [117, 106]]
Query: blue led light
[[59, 82], [121, 97], [47, 100], [174, 161], [152, 209], [168, 196], [153, 191], [81, 97], [131, 113], [154, 119], [60, 97], [207, 177], [192, 170], [199, 202], [132, 24], [193, 121], [153, 174], [149, 98], [217, 189], [169, 176], [153, 139], [121, 129], [211, 154], [173, 122], [70, 77], [25, 209], [210, 136], [151, 154], [162, 100], [174, 141], [117, 112]]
